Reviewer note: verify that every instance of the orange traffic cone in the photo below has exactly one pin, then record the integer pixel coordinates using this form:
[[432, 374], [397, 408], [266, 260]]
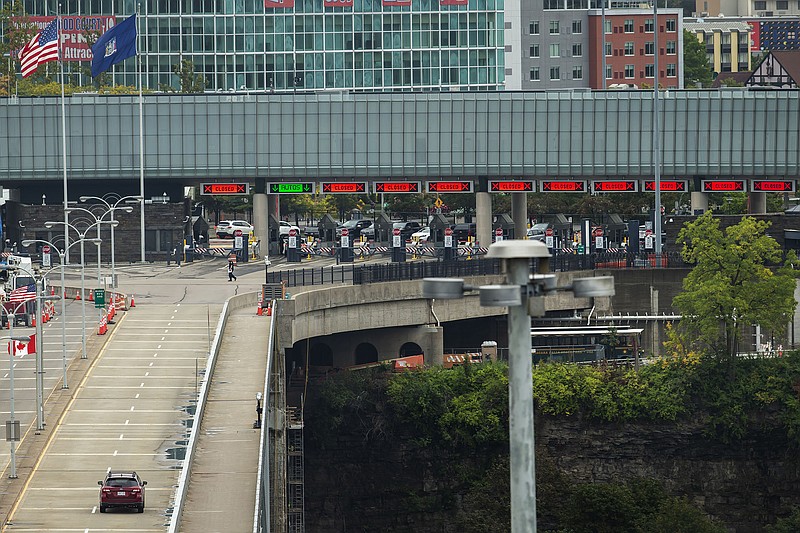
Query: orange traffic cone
[[91, 296], [133, 304], [77, 295], [33, 321], [269, 311]]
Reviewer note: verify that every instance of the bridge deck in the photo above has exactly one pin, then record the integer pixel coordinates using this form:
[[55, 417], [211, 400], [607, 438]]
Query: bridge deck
[[221, 494]]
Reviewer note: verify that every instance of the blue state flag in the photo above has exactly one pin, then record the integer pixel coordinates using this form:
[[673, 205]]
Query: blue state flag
[[115, 45]]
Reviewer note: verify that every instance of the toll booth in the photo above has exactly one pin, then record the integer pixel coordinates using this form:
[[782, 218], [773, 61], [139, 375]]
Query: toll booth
[[505, 223], [274, 235], [398, 246], [383, 229], [327, 228], [346, 247], [438, 224], [293, 247], [562, 231], [615, 230]]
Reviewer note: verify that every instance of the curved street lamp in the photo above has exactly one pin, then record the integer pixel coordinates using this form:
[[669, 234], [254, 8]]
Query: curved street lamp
[[110, 209], [96, 221], [82, 239], [62, 257]]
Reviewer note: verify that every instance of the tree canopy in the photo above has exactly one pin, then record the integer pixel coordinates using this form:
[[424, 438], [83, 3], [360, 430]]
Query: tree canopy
[[737, 280]]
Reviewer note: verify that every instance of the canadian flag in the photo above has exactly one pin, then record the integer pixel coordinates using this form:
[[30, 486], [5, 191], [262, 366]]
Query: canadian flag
[[23, 347]]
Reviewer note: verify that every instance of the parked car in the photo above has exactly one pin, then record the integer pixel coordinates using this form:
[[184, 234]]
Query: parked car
[[353, 227], [422, 236], [226, 228], [284, 229], [407, 229], [537, 232], [122, 489]]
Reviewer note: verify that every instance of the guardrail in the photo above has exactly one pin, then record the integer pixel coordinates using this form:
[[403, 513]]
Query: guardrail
[[261, 516]]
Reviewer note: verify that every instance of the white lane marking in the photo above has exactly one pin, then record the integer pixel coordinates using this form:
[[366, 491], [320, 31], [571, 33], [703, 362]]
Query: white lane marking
[[166, 330], [126, 423], [120, 436], [147, 373], [137, 395], [162, 338], [115, 453], [159, 346], [151, 364], [132, 407], [141, 384], [94, 510], [155, 354]]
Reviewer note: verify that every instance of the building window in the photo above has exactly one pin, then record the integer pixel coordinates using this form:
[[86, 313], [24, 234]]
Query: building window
[[672, 70], [782, 4], [649, 71], [760, 5], [577, 72], [534, 50], [609, 72], [649, 48], [672, 25], [629, 48], [609, 30], [648, 26], [577, 50], [555, 29], [628, 25], [555, 50], [555, 73], [671, 48], [534, 27], [577, 27], [629, 71], [608, 50], [534, 73]]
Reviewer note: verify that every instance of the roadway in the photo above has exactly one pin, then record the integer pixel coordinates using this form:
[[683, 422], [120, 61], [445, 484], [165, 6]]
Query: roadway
[[129, 404]]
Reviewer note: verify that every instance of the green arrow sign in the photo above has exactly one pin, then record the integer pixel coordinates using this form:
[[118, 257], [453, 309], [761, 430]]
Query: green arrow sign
[[291, 188]]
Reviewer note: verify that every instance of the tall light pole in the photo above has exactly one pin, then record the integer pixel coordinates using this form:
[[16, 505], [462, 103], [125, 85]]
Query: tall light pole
[[97, 221], [524, 296], [656, 139], [40, 298], [61, 256], [81, 240], [111, 208]]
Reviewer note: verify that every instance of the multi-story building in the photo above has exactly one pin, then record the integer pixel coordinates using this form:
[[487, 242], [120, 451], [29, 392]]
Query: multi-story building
[[288, 45], [727, 43], [565, 47], [748, 8]]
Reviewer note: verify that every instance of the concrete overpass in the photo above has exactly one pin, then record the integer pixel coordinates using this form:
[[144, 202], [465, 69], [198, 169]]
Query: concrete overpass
[[260, 138]]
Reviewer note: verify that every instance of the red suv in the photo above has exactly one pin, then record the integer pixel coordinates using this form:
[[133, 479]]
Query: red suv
[[122, 489]]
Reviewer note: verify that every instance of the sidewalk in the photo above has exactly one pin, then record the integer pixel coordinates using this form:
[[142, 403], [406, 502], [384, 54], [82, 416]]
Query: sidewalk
[[221, 493]]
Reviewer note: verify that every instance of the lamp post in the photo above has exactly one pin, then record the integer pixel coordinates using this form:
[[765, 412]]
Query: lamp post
[[110, 209], [82, 239], [40, 298], [524, 296], [97, 221], [61, 256]]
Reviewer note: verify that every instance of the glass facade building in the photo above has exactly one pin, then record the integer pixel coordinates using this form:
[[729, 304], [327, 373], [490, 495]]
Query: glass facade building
[[243, 45]]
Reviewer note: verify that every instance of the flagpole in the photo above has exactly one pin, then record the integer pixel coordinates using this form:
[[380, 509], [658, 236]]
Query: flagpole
[[141, 133], [63, 135]]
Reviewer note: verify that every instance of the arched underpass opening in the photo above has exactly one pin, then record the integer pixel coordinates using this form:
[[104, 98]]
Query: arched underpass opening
[[366, 353], [320, 354], [410, 348]]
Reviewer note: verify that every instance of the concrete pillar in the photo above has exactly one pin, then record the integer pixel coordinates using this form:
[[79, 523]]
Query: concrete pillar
[[260, 214], [699, 203], [519, 213], [274, 209], [483, 212], [434, 347], [757, 203]]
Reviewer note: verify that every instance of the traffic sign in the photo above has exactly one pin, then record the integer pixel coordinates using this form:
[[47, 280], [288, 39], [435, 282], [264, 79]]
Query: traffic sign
[[99, 298], [291, 188], [448, 231], [345, 232], [344, 187], [498, 232], [615, 186], [398, 187], [395, 231], [225, 188], [724, 186], [773, 185], [598, 232], [449, 186], [292, 232], [564, 186], [237, 233], [439, 203], [667, 185], [511, 186], [548, 232], [46, 249], [46, 256]]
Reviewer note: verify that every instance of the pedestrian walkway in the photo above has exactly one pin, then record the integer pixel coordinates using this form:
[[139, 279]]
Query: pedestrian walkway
[[221, 492]]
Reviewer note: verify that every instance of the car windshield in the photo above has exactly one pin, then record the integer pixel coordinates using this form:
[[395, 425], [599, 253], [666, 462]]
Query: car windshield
[[122, 482]]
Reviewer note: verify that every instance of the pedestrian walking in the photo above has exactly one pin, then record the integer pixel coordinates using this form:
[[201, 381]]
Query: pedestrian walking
[[231, 266]]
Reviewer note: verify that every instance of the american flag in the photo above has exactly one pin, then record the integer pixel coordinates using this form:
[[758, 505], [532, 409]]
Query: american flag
[[41, 49], [23, 294]]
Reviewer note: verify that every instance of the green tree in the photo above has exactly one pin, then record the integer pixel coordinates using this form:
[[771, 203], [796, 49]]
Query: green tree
[[695, 62], [17, 30], [190, 82], [733, 283]]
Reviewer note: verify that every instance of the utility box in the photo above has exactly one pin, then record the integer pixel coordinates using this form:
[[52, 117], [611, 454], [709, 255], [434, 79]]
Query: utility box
[[327, 228]]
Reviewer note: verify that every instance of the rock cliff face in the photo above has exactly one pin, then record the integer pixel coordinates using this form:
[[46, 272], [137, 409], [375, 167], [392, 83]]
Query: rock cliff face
[[358, 483]]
